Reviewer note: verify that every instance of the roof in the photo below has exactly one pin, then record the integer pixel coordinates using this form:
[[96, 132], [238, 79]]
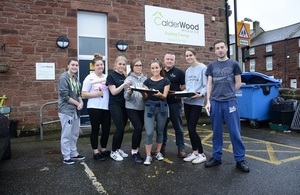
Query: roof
[[287, 32]]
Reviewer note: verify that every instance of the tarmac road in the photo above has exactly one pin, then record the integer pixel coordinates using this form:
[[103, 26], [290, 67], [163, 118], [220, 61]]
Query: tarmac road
[[274, 158]]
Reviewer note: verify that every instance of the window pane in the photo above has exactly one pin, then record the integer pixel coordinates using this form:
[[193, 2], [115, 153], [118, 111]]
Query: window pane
[[269, 63], [90, 45]]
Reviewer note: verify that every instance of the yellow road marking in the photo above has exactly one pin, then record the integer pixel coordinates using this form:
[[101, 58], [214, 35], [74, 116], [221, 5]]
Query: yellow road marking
[[272, 149]]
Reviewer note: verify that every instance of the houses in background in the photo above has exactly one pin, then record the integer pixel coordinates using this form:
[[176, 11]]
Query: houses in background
[[275, 53]]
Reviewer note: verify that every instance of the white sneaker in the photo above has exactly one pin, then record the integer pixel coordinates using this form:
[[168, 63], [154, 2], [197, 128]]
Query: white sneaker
[[116, 156], [159, 156], [148, 160], [122, 153], [190, 157], [200, 159]]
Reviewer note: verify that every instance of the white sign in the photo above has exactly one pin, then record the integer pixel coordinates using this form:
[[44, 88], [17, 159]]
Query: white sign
[[45, 71], [174, 26]]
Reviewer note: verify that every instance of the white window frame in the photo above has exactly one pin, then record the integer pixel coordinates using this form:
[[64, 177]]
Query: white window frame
[[269, 63], [299, 60], [252, 65], [298, 42], [231, 50], [252, 51], [269, 48], [92, 24]]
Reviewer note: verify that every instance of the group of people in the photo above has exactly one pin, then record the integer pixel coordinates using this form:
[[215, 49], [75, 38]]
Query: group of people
[[113, 97]]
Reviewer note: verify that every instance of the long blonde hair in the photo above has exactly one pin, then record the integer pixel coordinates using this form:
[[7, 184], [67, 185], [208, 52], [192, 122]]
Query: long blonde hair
[[121, 58]]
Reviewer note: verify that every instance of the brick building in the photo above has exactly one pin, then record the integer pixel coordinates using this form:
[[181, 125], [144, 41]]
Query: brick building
[[30, 28], [275, 53]]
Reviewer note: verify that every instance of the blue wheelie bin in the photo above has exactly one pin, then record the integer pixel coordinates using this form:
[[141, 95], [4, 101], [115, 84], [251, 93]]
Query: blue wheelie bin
[[254, 98]]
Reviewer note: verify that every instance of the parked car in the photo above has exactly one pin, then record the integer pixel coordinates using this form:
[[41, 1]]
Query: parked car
[[5, 149]]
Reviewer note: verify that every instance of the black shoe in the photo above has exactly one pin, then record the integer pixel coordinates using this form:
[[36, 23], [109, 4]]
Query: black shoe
[[242, 166], [137, 158], [78, 157], [68, 162], [212, 162], [99, 157], [105, 153], [181, 154]]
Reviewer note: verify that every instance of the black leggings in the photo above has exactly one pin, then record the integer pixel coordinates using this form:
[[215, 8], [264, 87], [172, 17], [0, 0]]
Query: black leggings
[[119, 117], [136, 117], [192, 114], [99, 117]]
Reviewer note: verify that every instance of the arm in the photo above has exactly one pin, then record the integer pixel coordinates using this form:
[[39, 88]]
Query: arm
[[116, 90], [238, 81], [208, 92], [164, 94]]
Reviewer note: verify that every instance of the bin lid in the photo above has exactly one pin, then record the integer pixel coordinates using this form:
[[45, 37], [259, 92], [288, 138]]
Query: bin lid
[[257, 78]]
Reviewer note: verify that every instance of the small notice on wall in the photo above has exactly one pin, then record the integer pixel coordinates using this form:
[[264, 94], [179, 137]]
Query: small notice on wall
[[45, 71]]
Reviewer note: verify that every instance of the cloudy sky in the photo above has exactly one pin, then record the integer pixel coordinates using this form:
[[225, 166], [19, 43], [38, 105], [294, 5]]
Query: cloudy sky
[[271, 14]]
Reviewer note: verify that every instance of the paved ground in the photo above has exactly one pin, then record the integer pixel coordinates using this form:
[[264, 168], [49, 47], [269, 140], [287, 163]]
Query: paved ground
[[274, 158]]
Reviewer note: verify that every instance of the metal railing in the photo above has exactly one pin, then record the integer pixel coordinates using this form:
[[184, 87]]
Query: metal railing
[[46, 122]]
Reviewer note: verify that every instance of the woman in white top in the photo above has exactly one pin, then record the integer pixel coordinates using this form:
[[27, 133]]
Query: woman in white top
[[95, 90]]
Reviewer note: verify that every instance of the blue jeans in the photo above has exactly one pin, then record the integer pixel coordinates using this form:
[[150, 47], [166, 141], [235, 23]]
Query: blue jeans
[[150, 125], [175, 112], [228, 112]]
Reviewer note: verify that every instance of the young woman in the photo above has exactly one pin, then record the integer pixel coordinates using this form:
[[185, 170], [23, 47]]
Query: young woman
[[135, 107], [156, 109], [195, 81], [69, 106], [116, 84], [96, 91]]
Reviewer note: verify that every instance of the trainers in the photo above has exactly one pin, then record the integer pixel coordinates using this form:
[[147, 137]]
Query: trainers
[[213, 162], [242, 166], [78, 157], [181, 154], [116, 156], [105, 153], [200, 159], [190, 157], [137, 157], [68, 162], [99, 157], [159, 156], [148, 160], [122, 153]]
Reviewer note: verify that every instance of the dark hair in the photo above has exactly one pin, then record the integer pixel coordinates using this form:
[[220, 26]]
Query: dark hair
[[191, 50], [155, 60], [72, 59], [219, 41], [135, 60], [97, 57]]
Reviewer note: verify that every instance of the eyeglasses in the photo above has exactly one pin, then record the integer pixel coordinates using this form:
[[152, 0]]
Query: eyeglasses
[[138, 65]]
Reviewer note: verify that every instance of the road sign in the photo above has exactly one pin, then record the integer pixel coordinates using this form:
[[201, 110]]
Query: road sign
[[243, 34]]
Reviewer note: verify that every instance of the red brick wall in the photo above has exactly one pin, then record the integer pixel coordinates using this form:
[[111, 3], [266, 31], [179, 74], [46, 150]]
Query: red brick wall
[[283, 68], [29, 29]]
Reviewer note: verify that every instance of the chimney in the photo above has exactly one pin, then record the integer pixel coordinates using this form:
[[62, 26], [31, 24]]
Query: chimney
[[256, 26]]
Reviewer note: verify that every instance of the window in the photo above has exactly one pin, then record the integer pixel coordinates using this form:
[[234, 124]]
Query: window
[[252, 51], [252, 65], [92, 35], [298, 42], [269, 63], [268, 48]]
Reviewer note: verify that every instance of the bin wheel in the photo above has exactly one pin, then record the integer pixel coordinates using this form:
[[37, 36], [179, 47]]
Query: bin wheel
[[254, 124]]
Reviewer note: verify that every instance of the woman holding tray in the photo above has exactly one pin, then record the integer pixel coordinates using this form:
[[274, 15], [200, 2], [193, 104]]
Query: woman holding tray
[[156, 109], [195, 81], [134, 103]]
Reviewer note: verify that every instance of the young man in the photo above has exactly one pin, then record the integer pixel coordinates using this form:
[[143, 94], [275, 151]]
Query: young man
[[224, 78], [177, 79]]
